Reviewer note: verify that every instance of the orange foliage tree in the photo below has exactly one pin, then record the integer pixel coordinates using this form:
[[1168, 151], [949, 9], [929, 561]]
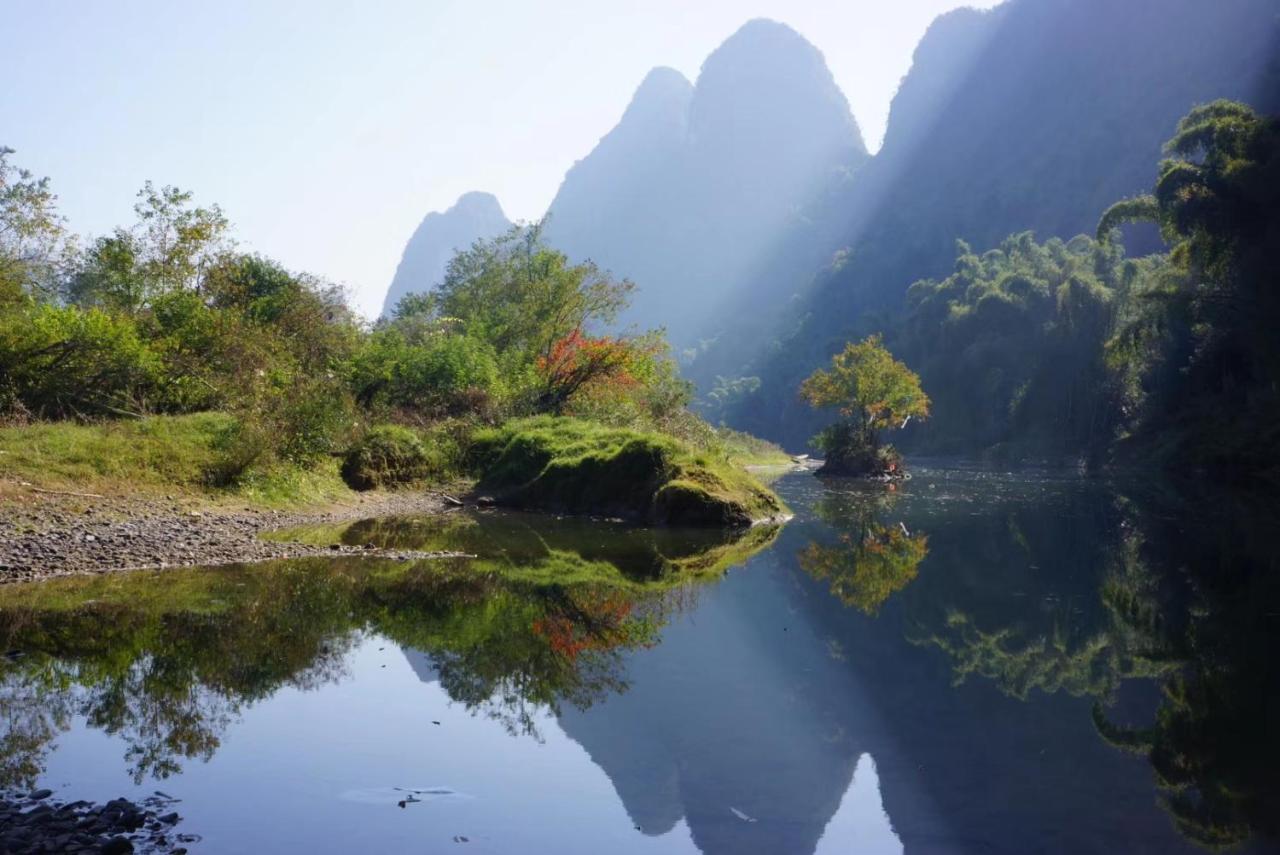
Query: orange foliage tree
[[577, 361]]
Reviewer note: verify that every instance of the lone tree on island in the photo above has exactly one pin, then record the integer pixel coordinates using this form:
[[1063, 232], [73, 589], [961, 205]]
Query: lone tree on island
[[873, 392]]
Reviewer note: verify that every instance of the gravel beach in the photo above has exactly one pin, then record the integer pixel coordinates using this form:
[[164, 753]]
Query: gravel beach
[[46, 535]]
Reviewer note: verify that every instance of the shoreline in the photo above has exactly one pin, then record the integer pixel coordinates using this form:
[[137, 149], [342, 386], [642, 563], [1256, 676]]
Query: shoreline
[[55, 535]]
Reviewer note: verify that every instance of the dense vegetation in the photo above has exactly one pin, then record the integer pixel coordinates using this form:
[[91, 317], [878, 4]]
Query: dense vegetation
[[1035, 115], [1073, 348], [167, 318]]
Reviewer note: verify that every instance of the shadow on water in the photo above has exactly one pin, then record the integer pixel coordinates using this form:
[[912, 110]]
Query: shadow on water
[[969, 662]]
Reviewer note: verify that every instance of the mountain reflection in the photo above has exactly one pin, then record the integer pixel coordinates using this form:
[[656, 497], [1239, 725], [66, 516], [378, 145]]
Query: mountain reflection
[[1034, 664], [167, 661]]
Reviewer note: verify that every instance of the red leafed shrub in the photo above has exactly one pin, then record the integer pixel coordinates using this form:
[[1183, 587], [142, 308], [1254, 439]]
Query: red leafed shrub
[[578, 361]]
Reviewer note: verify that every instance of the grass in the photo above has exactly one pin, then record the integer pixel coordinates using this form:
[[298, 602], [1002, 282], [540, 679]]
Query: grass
[[743, 449], [573, 466], [558, 464], [159, 452], [157, 455]]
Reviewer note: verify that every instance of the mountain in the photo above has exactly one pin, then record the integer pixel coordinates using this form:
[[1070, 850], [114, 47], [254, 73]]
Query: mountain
[[1034, 115], [475, 216], [686, 193]]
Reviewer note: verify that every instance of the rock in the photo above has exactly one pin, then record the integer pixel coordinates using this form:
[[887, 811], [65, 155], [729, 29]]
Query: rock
[[116, 846]]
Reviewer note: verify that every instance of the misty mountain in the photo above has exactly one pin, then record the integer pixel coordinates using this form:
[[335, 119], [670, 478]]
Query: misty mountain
[[475, 216], [686, 194], [690, 192], [1034, 115]]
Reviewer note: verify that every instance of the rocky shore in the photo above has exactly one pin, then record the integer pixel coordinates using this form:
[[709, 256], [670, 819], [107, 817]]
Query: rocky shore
[[44, 535], [35, 822]]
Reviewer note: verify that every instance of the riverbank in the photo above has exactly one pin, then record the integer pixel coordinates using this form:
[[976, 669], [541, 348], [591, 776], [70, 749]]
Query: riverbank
[[91, 498], [49, 534]]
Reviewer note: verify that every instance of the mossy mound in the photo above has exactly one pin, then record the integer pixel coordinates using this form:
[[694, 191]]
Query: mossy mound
[[576, 467]]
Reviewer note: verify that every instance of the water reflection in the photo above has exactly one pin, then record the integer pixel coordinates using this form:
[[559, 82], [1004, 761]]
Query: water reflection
[[1034, 664], [868, 559], [167, 661]]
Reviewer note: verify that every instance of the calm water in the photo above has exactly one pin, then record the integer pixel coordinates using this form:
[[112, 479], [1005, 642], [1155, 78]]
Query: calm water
[[975, 663]]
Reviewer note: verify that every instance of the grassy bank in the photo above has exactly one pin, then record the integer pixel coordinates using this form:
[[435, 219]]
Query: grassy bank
[[560, 464], [158, 455], [573, 466]]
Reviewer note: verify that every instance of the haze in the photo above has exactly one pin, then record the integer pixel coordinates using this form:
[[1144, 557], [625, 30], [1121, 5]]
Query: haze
[[327, 130]]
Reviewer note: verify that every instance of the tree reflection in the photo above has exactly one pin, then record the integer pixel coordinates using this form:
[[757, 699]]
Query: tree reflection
[[168, 661], [1188, 597], [1213, 743], [869, 560]]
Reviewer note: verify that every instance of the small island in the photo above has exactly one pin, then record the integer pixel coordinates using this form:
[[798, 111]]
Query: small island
[[872, 392]]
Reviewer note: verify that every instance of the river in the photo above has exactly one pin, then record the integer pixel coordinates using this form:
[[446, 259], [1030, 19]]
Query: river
[[973, 661]]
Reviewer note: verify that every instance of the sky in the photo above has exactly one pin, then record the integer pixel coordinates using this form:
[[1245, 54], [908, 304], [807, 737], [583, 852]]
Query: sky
[[326, 130]]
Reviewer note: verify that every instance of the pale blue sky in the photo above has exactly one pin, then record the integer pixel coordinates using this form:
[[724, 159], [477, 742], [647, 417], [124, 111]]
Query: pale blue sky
[[326, 129]]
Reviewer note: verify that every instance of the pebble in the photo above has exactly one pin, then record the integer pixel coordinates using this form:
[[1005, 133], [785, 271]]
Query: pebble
[[131, 533]]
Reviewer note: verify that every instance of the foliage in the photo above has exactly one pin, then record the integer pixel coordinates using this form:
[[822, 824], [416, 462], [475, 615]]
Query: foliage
[[521, 296], [385, 456], [872, 392], [727, 393], [1203, 344], [1091, 115], [170, 248], [1012, 343], [59, 362], [577, 362], [427, 368], [165, 316], [34, 244]]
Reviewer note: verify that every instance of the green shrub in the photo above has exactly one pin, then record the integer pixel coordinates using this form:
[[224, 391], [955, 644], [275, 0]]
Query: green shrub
[[387, 455], [312, 418], [432, 372], [61, 361], [238, 447]]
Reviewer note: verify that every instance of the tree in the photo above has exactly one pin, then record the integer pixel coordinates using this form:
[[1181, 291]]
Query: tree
[[34, 244], [1212, 320], [524, 297], [872, 392], [172, 247]]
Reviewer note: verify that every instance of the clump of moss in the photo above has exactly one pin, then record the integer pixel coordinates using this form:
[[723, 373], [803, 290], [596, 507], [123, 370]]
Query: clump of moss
[[387, 455], [572, 466]]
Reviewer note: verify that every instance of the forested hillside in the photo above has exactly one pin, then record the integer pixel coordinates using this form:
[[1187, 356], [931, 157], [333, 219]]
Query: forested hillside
[[1035, 117]]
